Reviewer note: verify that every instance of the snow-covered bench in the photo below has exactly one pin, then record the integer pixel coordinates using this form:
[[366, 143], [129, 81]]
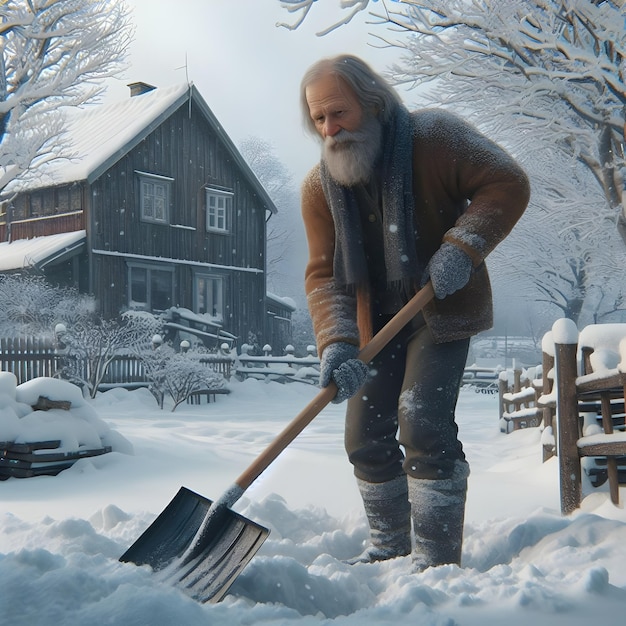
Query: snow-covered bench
[[590, 383]]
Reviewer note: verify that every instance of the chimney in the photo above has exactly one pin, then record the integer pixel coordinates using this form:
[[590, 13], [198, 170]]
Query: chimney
[[139, 88]]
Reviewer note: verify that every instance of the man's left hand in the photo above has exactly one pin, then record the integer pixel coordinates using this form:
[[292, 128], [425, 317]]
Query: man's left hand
[[449, 270]]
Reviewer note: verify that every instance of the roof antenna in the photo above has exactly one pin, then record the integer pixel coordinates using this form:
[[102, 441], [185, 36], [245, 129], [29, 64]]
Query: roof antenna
[[186, 69], [187, 80]]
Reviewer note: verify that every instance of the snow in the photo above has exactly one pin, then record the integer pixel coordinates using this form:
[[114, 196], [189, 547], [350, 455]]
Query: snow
[[564, 331], [547, 343], [523, 562], [29, 252], [601, 335], [99, 133]]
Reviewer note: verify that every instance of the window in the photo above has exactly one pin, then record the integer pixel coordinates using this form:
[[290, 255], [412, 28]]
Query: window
[[155, 198], [150, 288], [219, 205], [210, 295]]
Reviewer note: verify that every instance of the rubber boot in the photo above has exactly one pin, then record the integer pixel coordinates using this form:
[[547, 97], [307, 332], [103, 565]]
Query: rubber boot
[[438, 512], [389, 515]]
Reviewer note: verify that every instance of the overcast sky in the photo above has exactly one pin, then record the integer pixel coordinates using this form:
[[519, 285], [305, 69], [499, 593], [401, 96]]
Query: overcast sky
[[247, 69]]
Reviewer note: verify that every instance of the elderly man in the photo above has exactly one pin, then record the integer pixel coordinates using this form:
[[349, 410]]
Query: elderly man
[[400, 198]]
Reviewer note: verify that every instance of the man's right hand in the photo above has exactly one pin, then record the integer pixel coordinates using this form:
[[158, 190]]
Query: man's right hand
[[339, 363]]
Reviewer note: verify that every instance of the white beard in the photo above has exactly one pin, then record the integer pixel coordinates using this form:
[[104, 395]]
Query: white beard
[[351, 156]]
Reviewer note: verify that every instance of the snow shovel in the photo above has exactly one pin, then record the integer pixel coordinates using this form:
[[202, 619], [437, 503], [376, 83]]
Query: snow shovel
[[202, 546]]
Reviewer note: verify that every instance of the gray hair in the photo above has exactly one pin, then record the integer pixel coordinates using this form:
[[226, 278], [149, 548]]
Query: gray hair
[[371, 89]]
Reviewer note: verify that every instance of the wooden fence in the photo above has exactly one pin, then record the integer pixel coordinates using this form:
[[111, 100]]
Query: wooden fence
[[33, 357], [577, 397], [28, 357]]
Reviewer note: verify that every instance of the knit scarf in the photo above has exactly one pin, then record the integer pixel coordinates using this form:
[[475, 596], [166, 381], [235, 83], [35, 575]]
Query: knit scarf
[[349, 264]]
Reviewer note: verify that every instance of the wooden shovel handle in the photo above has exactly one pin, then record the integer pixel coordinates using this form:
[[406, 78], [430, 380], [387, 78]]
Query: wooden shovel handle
[[311, 410]]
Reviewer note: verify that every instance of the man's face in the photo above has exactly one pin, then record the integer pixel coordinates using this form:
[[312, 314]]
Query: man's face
[[351, 136], [333, 106]]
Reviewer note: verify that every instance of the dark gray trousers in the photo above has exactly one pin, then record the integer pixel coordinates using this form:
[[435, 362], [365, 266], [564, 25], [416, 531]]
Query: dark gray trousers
[[402, 419]]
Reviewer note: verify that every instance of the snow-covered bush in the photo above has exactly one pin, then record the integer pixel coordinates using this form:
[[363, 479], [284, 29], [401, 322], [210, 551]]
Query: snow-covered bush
[[177, 374], [31, 306], [91, 344]]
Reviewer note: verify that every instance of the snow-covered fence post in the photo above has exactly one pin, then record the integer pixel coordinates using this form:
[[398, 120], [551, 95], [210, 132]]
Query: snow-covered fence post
[[59, 332], [565, 335], [547, 396], [290, 354]]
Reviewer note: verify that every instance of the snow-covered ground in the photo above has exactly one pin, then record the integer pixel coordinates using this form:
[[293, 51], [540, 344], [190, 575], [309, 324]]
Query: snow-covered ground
[[523, 563]]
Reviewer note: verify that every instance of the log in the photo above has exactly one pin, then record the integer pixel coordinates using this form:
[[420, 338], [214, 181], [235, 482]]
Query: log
[[45, 404]]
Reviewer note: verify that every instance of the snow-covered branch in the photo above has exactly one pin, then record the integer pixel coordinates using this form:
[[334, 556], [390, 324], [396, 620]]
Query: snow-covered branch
[[304, 6], [53, 54], [524, 61]]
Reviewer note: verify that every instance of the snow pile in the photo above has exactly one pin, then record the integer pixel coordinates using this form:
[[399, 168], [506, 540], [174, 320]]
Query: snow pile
[[79, 428], [608, 342], [61, 537]]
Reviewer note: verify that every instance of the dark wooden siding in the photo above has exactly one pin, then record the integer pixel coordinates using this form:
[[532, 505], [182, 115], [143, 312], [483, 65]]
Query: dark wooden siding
[[52, 225], [48, 211], [187, 150], [279, 332]]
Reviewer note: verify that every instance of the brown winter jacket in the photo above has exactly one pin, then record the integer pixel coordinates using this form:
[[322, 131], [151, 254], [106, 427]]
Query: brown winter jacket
[[467, 191]]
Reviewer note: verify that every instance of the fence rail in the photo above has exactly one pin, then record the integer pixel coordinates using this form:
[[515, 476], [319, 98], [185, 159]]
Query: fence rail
[[33, 357]]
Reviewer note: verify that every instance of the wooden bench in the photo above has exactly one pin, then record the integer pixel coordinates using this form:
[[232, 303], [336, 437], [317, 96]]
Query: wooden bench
[[195, 397], [24, 460], [589, 406]]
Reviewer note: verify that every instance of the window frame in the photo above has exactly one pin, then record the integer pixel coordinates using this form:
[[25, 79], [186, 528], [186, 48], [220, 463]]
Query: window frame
[[148, 305], [155, 180], [218, 279], [218, 214]]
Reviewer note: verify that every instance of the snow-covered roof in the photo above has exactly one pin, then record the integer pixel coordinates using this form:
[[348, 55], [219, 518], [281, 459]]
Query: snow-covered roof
[[98, 136], [283, 301], [38, 251]]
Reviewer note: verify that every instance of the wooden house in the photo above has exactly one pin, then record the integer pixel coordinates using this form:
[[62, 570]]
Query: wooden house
[[155, 209]]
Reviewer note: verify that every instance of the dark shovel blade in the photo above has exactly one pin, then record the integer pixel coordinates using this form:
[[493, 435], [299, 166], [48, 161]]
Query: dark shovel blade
[[208, 576]]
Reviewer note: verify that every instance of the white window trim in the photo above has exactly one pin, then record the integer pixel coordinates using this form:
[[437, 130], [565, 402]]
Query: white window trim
[[166, 182], [228, 209]]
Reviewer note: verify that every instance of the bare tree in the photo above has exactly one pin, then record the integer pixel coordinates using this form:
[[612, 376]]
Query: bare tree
[[286, 240], [53, 54], [278, 182], [556, 255], [558, 64]]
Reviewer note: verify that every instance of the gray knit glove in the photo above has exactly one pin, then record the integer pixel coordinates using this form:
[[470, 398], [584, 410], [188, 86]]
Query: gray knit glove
[[340, 364], [449, 270]]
